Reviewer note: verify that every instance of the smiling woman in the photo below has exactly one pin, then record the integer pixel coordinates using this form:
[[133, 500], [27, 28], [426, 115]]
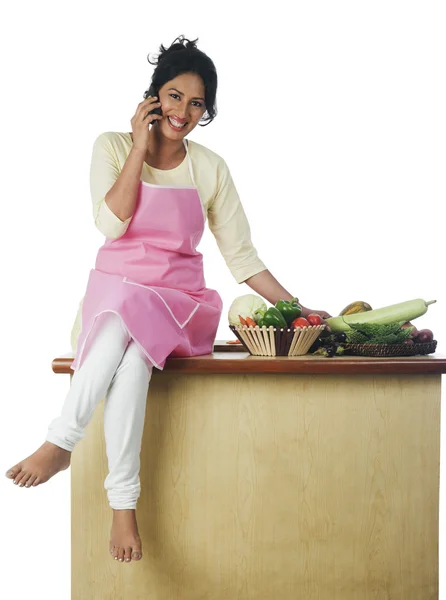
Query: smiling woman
[[182, 106], [146, 299], [181, 57], [178, 123]]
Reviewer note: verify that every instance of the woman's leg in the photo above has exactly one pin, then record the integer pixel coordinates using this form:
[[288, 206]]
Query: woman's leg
[[89, 384], [124, 413]]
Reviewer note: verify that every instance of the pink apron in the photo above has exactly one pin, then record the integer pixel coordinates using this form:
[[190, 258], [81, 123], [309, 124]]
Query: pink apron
[[152, 277]]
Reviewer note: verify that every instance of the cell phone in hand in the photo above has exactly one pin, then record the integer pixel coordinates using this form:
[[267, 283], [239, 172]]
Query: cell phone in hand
[[153, 92]]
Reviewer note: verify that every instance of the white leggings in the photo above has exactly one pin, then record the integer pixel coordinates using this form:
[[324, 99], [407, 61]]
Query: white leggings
[[113, 368]]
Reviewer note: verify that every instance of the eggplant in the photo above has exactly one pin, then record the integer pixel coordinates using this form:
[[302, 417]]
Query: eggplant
[[325, 333], [341, 337], [316, 344]]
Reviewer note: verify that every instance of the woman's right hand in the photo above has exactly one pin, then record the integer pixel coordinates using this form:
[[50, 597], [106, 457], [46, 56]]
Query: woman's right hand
[[141, 120]]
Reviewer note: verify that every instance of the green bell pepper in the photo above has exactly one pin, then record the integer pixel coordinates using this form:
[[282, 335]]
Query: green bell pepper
[[272, 316], [290, 309]]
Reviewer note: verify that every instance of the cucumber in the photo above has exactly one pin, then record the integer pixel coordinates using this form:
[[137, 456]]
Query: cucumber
[[404, 311]]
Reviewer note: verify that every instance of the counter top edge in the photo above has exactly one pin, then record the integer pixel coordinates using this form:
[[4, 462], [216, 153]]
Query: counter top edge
[[242, 362]]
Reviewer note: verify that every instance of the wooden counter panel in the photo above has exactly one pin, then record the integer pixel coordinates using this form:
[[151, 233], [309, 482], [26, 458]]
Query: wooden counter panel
[[266, 487]]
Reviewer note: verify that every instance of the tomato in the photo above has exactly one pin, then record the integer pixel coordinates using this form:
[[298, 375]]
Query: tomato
[[314, 319], [300, 322]]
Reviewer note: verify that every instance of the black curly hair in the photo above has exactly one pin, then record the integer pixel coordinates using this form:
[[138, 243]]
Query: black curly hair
[[183, 56]]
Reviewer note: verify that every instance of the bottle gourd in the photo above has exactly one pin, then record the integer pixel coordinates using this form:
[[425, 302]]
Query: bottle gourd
[[404, 311]]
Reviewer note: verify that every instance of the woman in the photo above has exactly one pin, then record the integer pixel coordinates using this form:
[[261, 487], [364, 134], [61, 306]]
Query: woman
[[147, 299]]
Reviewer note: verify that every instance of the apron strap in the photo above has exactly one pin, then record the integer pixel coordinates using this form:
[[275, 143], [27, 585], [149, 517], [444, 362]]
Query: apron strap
[[191, 171]]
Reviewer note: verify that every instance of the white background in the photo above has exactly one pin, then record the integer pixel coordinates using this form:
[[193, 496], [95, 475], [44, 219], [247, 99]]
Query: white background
[[333, 125]]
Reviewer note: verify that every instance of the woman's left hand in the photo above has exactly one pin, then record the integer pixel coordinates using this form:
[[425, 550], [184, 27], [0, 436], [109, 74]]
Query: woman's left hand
[[309, 311]]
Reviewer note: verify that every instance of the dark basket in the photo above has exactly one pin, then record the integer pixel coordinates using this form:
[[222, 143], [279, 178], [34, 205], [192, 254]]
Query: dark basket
[[390, 349]]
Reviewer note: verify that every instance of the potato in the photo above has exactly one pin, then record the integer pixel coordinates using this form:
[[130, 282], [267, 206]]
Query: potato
[[414, 330]]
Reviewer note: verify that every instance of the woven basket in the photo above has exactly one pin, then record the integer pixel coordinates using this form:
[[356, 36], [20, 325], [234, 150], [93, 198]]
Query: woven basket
[[271, 341], [390, 349]]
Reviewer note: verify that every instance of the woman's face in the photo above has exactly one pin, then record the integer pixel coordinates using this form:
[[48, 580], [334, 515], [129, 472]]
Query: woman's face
[[182, 105]]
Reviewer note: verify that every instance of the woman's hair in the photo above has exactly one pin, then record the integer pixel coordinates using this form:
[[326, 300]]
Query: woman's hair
[[181, 57]]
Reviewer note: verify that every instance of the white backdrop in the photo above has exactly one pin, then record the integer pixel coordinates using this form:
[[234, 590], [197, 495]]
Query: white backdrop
[[333, 125]]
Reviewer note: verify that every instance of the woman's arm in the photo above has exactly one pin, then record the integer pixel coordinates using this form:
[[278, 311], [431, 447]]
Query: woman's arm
[[121, 198], [267, 286], [113, 190], [228, 223]]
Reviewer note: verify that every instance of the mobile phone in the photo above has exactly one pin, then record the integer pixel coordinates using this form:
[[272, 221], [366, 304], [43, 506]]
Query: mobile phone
[[153, 92]]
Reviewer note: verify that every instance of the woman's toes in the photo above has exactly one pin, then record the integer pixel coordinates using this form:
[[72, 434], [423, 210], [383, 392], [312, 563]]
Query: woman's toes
[[12, 472], [121, 555], [31, 480], [128, 554], [136, 555], [18, 477], [24, 480], [115, 553], [36, 481]]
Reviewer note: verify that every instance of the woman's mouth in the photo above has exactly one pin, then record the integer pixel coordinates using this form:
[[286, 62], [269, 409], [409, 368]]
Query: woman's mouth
[[175, 125]]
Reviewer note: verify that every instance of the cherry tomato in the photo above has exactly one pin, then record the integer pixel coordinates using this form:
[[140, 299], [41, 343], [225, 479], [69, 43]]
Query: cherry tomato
[[314, 319], [300, 322]]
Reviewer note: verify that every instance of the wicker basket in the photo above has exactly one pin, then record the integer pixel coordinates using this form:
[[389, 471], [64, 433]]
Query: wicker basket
[[271, 341], [390, 349]]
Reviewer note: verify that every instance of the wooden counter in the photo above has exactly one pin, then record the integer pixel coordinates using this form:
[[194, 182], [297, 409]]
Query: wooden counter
[[272, 479]]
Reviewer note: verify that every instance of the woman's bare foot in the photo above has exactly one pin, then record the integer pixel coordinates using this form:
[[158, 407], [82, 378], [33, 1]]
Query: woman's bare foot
[[125, 543], [46, 461]]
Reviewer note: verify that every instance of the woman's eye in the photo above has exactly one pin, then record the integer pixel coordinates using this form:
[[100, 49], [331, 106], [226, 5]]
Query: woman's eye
[[198, 104]]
